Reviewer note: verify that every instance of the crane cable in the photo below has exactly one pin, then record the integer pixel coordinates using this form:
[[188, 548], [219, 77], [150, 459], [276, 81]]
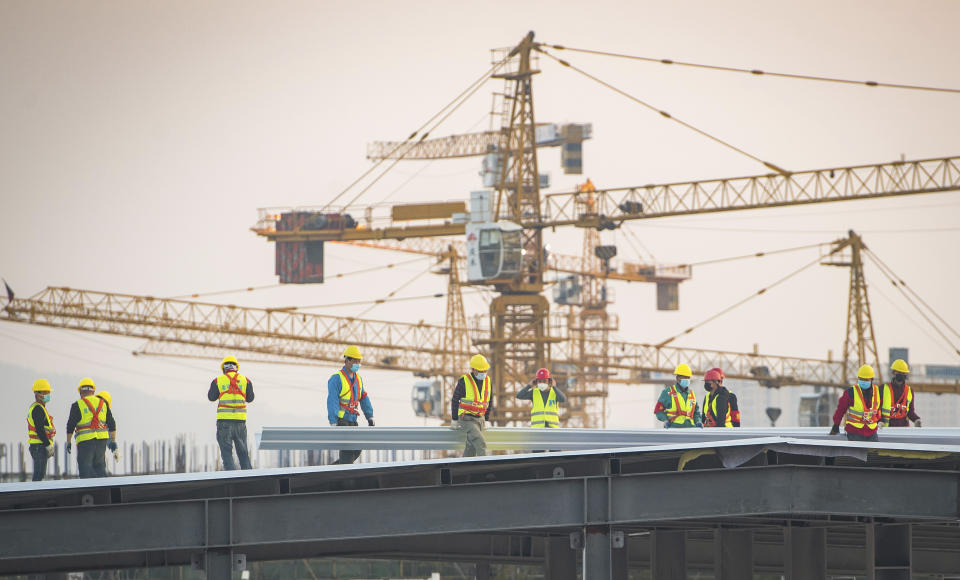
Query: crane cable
[[754, 295], [462, 97], [757, 72], [666, 115], [755, 255]]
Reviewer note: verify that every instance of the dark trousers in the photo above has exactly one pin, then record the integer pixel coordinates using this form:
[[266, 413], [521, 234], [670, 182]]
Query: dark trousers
[[859, 437], [347, 456], [92, 458], [39, 453], [232, 433]]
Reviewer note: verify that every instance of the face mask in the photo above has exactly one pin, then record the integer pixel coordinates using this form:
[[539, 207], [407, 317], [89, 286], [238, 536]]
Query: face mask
[[864, 385], [479, 376], [543, 386], [706, 387], [683, 383], [899, 379], [46, 398], [355, 367]]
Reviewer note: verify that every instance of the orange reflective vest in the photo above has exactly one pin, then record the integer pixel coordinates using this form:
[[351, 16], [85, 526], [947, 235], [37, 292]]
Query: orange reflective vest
[[93, 421], [896, 409], [475, 401], [49, 429], [349, 396], [232, 401], [544, 413], [681, 412], [858, 415]]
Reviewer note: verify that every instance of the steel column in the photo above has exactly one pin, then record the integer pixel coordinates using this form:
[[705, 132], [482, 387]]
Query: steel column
[[561, 560], [483, 571], [888, 551], [733, 554], [668, 554], [806, 553]]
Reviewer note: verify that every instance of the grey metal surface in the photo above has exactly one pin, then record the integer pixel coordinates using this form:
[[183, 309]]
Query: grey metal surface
[[516, 438]]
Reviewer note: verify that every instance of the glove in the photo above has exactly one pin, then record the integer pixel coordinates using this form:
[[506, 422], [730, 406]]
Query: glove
[[69, 447], [455, 425], [50, 448], [881, 425], [916, 423], [112, 446], [835, 430], [370, 422], [666, 424]]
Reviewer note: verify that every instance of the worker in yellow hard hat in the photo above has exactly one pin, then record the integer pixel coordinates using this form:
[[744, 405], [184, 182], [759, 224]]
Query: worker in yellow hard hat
[[677, 405], [898, 408], [232, 391], [347, 397], [40, 429], [862, 407], [92, 420], [470, 405]]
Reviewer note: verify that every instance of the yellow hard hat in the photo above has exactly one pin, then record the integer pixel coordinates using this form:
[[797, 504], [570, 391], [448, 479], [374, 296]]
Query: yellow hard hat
[[86, 382], [353, 352], [683, 370], [106, 397], [226, 359], [900, 366], [478, 362], [41, 385], [866, 372]]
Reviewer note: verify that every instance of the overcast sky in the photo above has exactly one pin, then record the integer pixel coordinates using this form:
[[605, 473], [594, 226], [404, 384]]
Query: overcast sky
[[139, 139]]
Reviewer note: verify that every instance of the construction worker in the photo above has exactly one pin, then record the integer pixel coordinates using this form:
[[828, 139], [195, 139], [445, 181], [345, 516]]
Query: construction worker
[[92, 419], [720, 408], [470, 405], [232, 391], [346, 397], [863, 407], [898, 408], [677, 405], [546, 395], [40, 429]]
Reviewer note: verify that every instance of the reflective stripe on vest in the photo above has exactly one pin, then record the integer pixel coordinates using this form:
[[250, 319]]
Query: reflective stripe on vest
[[474, 402], [896, 409], [32, 428], [545, 415], [350, 395], [858, 415], [710, 412], [93, 421], [232, 400], [680, 411]]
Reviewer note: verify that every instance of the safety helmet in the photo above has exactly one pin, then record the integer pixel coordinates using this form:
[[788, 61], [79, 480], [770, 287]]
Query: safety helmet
[[543, 374], [713, 375], [353, 352], [866, 372], [106, 397], [86, 382], [683, 370], [479, 363], [900, 366], [41, 385], [229, 359]]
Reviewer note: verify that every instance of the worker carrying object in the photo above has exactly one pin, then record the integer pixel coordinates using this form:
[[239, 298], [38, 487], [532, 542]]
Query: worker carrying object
[[92, 419], [898, 408], [346, 398], [677, 405], [546, 396], [470, 405], [40, 429], [720, 407], [232, 391], [862, 407]]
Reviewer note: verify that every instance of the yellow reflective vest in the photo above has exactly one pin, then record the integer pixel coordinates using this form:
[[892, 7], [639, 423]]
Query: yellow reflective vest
[[32, 436], [349, 398], [858, 415], [681, 412], [93, 419], [232, 401], [475, 400], [544, 414], [710, 403], [896, 409]]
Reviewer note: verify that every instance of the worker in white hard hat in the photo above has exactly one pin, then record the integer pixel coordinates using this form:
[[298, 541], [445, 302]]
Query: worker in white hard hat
[[898, 409], [347, 397], [232, 391], [40, 429], [677, 404], [470, 405]]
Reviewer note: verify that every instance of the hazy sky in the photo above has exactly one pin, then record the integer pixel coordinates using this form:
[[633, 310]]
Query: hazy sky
[[139, 139]]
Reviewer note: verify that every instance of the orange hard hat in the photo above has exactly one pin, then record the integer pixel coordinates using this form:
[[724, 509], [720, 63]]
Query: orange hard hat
[[714, 374], [543, 374]]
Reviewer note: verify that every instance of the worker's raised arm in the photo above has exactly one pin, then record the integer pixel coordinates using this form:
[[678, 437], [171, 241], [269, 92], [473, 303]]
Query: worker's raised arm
[[526, 393], [561, 396]]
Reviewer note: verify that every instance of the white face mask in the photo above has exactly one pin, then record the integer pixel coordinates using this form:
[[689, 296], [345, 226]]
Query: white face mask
[[543, 386], [479, 376]]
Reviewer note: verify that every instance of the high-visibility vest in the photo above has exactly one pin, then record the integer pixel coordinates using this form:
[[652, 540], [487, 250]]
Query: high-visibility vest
[[232, 401], [681, 412], [349, 396], [93, 419], [858, 415], [476, 400], [50, 430], [710, 412], [896, 409], [544, 414]]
